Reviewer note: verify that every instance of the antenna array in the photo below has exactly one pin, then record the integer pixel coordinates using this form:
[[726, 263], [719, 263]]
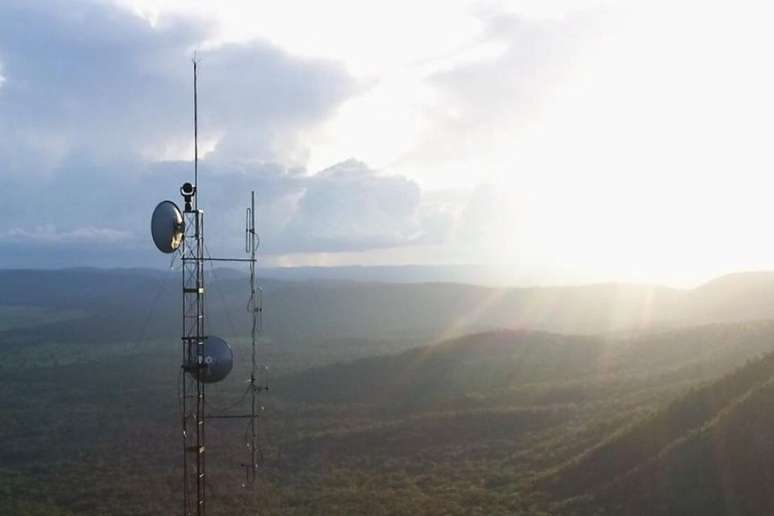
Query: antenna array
[[205, 359]]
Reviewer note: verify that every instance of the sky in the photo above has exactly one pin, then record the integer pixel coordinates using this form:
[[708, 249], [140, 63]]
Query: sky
[[557, 141]]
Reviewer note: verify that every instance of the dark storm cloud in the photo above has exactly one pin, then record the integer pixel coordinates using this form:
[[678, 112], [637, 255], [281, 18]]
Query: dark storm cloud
[[93, 94]]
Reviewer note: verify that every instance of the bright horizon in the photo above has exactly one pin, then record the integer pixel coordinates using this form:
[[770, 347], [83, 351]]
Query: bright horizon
[[569, 142]]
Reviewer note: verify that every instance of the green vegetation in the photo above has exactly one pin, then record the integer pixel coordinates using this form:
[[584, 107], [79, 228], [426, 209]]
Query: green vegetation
[[15, 317], [648, 421]]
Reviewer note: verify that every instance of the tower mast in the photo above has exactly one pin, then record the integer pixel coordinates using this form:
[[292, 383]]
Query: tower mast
[[205, 359], [193, 340]]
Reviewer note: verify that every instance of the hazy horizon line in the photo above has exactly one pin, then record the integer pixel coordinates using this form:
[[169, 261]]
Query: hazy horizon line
[[489, 275]]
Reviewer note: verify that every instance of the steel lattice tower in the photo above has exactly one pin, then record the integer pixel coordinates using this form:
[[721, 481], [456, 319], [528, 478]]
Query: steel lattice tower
[[193, 340], [205, 359]]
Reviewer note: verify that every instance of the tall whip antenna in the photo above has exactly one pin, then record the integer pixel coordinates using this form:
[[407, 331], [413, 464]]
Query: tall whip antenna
[[196, 132]]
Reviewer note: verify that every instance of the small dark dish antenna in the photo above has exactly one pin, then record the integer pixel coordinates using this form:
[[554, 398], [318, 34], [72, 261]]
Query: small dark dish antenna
[[217, 363]]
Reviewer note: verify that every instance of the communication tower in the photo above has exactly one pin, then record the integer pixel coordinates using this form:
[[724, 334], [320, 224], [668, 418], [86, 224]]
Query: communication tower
[[205, 358]]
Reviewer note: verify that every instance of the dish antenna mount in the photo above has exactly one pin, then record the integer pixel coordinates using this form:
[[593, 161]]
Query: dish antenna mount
[[206, 359]]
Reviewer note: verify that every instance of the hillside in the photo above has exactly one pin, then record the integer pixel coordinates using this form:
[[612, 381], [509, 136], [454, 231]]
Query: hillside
[[485, 422], [508, 364], [708, 452], [398, 420]]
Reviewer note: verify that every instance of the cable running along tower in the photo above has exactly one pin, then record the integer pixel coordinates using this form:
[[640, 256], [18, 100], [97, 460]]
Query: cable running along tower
[[206, 358]]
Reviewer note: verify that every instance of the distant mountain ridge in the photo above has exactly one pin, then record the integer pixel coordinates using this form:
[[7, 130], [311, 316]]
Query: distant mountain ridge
[[136, 298]]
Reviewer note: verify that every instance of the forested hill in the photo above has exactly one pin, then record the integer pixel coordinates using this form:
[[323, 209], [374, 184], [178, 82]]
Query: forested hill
[[119, 303], [709, 452], [532, 367], [652, 424], [482, 364]]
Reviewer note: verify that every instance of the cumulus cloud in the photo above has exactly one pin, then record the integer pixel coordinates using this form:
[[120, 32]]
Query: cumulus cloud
[[351, 207], [275, 96], [95, 128], [347, 207], [92, 77]]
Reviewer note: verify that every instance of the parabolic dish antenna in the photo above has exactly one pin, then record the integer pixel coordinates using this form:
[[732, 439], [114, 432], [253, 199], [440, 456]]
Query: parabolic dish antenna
[[218, 360], [167, 227]]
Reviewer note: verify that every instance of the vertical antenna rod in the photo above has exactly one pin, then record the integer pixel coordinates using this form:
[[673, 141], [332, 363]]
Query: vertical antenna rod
[[255, 307], [252, 336], [196, 135]]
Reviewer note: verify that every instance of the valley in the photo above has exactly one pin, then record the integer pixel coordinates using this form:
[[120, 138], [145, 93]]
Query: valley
[[404, 418]]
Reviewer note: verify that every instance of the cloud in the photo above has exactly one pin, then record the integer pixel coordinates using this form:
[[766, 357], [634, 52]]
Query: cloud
[[349, 207], [276, 96], [535, 53], [95, 129], [483, 105], [49, 234], [95, 78]]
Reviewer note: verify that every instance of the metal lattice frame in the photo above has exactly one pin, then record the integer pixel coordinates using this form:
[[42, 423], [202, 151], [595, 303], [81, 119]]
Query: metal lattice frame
[[194, 337], [192, 388], [255, 307]]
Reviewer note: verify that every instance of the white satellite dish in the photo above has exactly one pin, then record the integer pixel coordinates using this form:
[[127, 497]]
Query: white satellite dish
[[167, 227]]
